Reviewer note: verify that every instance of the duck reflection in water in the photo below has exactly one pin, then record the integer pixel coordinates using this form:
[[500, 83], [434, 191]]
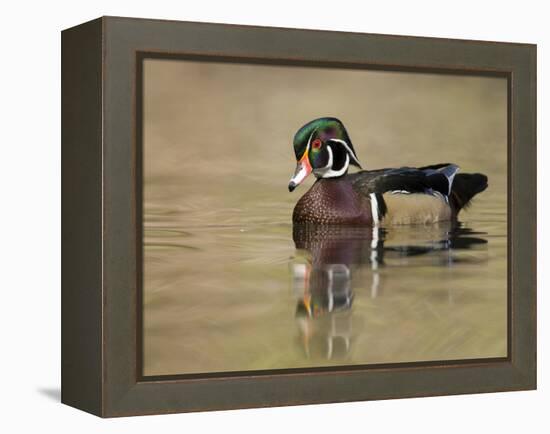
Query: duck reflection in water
[[324, 285]]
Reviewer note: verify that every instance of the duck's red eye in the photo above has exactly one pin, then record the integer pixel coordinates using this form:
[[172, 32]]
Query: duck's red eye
[[316, 144]]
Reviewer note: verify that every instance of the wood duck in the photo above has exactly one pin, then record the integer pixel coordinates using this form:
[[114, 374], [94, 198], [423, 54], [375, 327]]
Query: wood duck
[[405, 195]]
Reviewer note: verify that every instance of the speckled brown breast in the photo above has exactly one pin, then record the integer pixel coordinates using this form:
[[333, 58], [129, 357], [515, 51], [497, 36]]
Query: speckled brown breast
[[333, 201]]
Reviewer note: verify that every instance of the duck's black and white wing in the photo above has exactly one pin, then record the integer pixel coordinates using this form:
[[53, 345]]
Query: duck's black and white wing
[[406, 180]]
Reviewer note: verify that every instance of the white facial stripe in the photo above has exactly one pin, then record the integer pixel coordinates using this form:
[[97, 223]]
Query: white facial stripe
[[374, 208], [347, 147], [328, 167], [310, 137], [309, 142], [330, 158], [327, 172], [335, 173]]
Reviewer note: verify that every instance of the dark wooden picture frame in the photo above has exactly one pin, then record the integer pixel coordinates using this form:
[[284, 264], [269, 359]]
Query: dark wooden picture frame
[[101, 217]]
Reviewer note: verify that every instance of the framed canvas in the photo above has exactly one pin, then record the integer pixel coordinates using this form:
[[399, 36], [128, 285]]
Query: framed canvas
[[401, 263]]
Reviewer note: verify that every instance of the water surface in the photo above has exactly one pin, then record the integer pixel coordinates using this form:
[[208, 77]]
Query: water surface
[[242, 289]]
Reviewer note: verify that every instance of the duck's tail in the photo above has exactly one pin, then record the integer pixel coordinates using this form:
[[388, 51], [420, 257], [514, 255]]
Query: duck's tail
[[465, 187]]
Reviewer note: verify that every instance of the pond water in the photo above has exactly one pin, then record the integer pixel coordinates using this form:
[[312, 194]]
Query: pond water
[[233, 289]]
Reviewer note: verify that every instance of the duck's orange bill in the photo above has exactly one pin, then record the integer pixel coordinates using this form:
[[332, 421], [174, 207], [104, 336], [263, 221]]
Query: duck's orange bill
[[303, 169]]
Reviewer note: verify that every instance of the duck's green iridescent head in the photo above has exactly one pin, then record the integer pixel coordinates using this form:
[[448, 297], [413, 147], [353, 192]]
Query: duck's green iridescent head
[[323, 147]]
